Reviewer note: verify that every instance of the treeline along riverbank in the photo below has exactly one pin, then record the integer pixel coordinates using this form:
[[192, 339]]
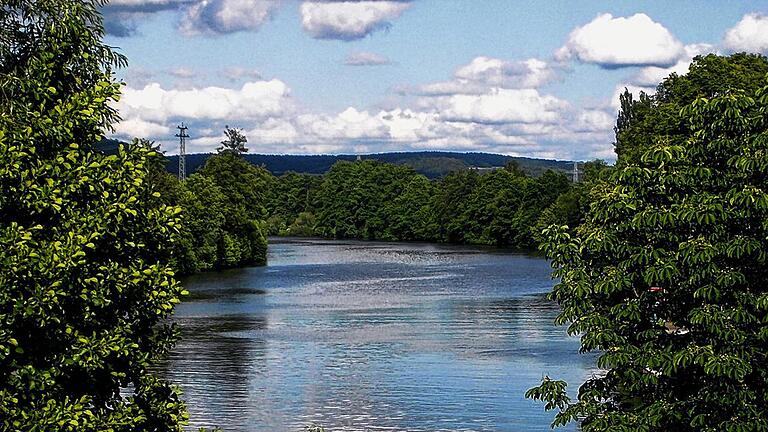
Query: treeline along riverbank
[[231, 206]]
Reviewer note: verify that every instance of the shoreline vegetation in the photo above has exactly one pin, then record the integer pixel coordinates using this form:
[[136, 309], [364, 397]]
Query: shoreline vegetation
[[231, 206]]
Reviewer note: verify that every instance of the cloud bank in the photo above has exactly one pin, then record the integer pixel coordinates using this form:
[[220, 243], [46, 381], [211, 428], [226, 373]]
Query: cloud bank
[[512, 121]]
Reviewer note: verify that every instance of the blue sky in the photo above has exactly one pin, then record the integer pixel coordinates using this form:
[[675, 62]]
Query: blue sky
[[523, 78]]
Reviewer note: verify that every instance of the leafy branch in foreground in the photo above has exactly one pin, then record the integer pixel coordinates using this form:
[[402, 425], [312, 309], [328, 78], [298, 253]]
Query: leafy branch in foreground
[[667, 279], [85, 285]]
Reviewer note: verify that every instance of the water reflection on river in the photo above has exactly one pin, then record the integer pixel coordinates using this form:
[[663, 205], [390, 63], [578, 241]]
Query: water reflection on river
[[370, 336]]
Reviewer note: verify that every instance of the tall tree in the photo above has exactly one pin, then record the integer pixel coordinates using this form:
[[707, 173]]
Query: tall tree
[[668, 279], [659, 115], [244, 188], [234, 142], [85, 285]]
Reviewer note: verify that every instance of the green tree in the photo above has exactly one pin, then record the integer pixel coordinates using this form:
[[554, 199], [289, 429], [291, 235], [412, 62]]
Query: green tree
[[667, 276], [85, 285], [244, 188], [303, 225], [412, 212], [571, 206], [450, 203], [234, 142], [355, 199], [290, 195], [659, 115], [204, 224]]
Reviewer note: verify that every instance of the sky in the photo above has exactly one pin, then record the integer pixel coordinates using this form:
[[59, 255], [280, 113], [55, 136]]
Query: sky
[[523, 78]]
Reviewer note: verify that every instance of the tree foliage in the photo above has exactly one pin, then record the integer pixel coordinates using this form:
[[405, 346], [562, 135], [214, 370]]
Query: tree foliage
[[234, 142], [666, 278], [570, 207], [652, 117], [85, 284], [290, 196], [378, 201], [223, 212]]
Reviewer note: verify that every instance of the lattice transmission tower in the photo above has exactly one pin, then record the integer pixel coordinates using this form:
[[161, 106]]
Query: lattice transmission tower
[[182, 151], [575, 172]]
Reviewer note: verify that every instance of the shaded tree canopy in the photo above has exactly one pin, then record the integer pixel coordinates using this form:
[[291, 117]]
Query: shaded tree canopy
[[85, 285], [667, 276], [658, 116]]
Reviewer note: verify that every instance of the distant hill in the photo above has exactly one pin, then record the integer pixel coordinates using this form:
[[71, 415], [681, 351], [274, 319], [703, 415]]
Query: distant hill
[[432, 164]]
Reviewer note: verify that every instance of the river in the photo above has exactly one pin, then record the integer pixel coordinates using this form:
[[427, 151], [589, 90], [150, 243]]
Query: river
[[359, 336]]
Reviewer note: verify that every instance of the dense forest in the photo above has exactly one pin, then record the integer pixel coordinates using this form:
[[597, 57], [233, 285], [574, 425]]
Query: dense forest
[[433, 164], [230, 205], [372, 200]]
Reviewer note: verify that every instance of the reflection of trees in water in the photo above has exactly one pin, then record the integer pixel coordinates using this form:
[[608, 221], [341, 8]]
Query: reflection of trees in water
[[511, 327], [369, 338], [208, 285], [518, 313], [229, 293], [212, 363]]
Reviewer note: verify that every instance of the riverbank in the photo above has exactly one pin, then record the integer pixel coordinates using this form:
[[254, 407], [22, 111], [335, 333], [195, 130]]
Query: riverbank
[[274, 240]]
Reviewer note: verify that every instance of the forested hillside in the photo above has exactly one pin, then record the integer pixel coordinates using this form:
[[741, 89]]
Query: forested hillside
[[430, 164]]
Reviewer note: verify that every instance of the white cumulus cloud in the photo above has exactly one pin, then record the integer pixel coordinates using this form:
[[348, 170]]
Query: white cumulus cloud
[[274, 131], [483, 73], [501, 106], [750, 34], [348, 20], [226, 16], [594, 120], [613, 42], [138, 128], [529, 73], [349, 124], [651, 76], [147, 110]]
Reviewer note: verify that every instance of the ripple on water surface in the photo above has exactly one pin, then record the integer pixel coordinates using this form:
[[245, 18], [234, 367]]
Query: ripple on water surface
[[369, 336]]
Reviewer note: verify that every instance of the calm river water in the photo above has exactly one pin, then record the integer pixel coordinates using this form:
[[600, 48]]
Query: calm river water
[[360, 336]]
